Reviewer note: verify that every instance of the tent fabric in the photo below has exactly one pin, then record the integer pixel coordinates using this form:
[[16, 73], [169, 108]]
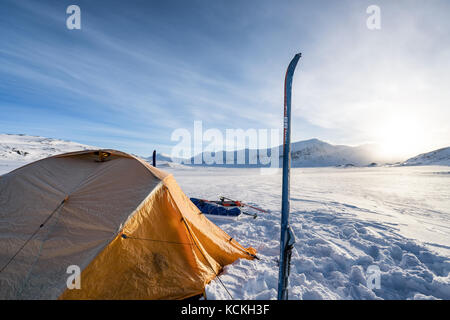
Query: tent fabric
[[127, 225]]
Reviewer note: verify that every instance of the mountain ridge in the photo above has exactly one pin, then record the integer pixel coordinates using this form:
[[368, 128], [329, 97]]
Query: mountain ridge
[[436, 157], [307, 153]]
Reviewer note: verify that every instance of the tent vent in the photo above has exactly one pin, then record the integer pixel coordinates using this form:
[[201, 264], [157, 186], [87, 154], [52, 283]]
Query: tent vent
[[102, 156]]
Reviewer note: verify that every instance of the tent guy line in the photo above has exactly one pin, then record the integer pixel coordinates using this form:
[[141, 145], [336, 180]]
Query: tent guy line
[[33, 234]]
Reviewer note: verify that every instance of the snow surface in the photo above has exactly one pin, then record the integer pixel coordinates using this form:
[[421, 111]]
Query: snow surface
[[344, 219]]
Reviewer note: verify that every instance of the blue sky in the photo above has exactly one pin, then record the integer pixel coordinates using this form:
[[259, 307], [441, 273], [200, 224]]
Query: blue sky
[[138, 70]]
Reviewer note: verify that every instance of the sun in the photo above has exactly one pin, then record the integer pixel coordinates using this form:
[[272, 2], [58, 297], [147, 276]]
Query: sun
[[400, 137]]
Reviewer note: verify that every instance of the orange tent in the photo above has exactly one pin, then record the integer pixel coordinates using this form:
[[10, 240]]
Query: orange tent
[[128, 226]]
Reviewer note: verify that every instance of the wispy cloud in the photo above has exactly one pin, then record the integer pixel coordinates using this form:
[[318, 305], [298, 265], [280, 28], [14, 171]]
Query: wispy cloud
[[379, 86], [138, 70]]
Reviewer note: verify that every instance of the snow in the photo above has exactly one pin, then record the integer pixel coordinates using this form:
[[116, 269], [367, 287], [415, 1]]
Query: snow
[[344, 219]]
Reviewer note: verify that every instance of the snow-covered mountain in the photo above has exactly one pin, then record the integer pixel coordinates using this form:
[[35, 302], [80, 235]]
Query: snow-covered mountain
[[20, 147], [312, 153], [17, 150], [436, 157], [317, 153]]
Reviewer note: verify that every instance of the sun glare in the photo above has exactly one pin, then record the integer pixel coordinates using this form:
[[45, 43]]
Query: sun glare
[[400, 137]]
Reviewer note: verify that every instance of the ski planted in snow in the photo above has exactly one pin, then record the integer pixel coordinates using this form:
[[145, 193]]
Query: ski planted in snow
[[287, 238]]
